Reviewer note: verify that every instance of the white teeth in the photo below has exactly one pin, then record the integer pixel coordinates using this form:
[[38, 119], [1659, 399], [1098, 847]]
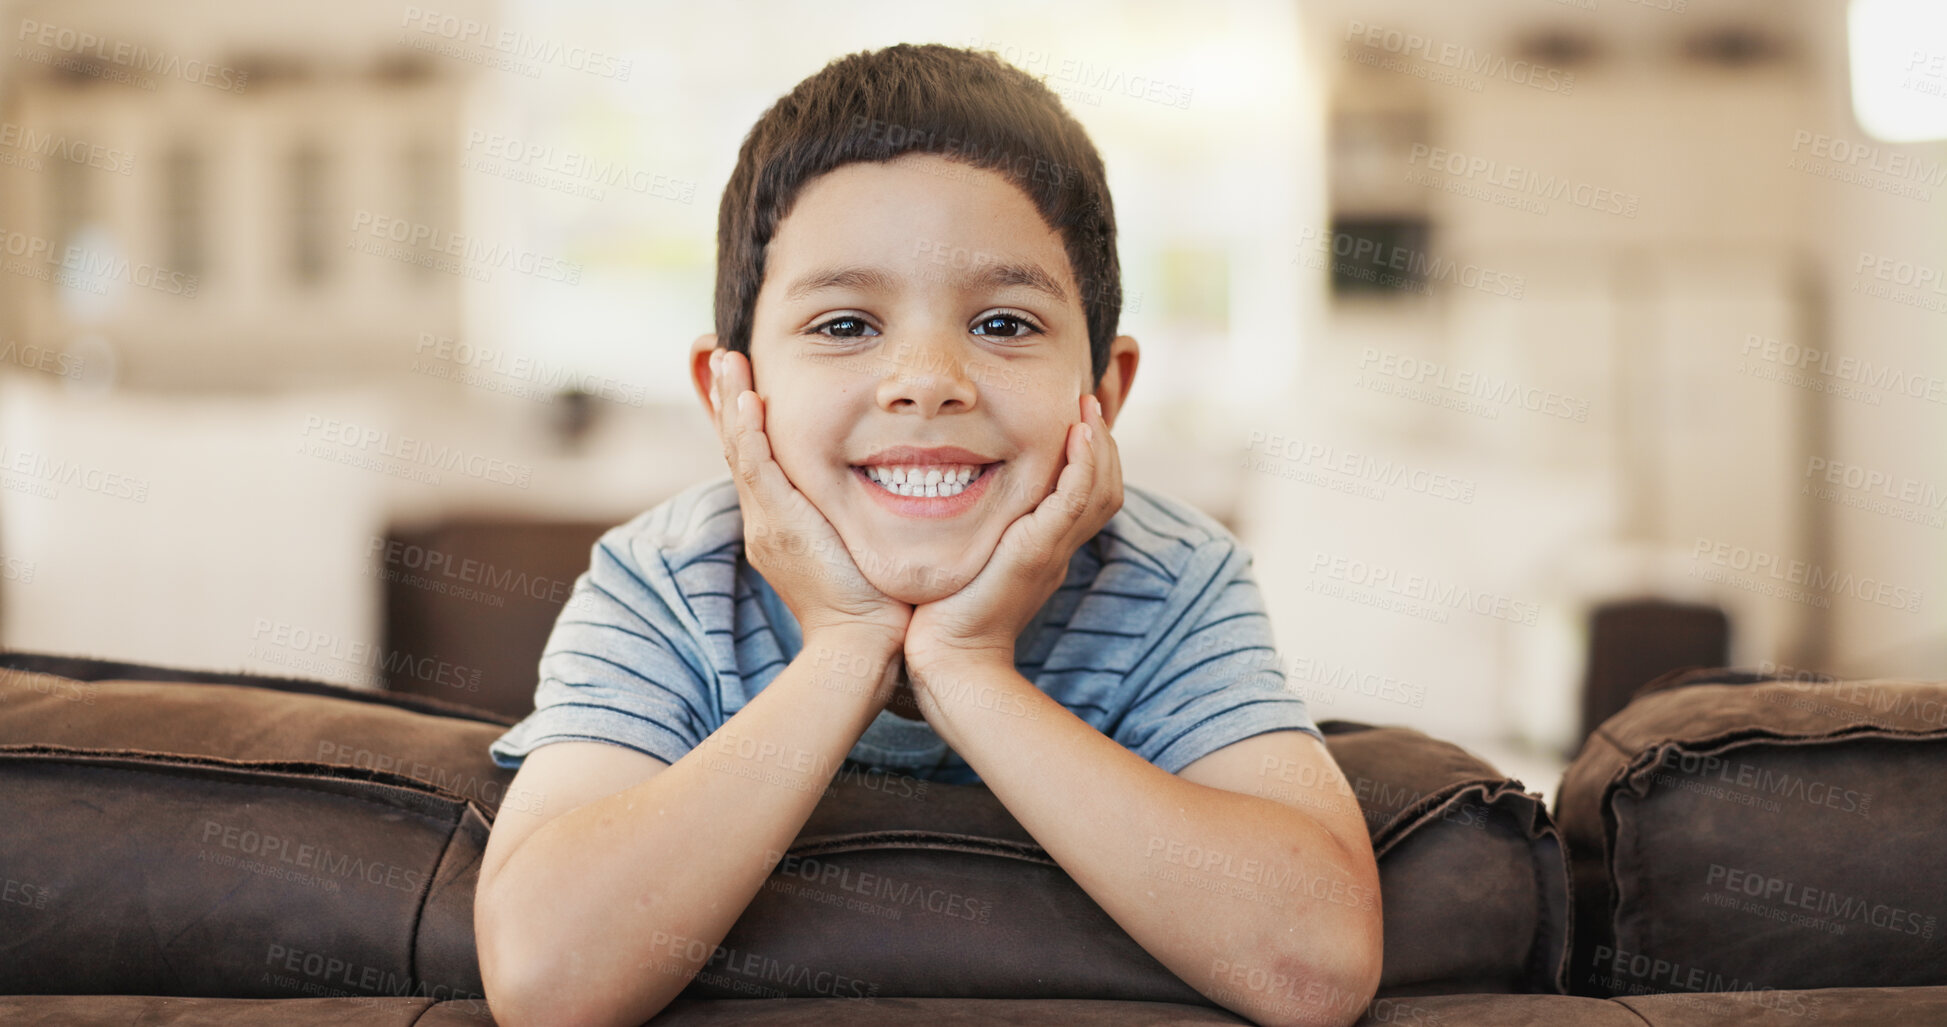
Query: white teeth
[[932, 482]]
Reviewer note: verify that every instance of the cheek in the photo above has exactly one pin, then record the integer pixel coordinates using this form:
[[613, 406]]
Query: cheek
[[806, 448], [1037, 466], [791, 428]]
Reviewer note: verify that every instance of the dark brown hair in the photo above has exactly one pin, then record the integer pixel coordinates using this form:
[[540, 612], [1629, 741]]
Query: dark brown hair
[[966, 105]]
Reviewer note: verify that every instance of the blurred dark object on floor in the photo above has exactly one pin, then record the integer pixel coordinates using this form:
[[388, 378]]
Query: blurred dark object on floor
[[469, 604], [1633, 642]]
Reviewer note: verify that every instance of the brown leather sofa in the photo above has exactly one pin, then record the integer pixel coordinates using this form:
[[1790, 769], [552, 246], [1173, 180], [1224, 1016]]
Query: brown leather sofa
[[185, 847]]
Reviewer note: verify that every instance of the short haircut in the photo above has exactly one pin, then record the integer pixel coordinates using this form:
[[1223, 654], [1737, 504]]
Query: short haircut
[[965, 105]]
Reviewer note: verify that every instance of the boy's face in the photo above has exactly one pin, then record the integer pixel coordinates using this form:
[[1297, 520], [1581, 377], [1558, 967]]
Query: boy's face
[[956, 322]]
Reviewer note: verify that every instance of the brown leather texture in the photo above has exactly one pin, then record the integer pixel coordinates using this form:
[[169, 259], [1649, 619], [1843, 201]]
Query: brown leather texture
[[904, 887], [174, 875], [224, 835], [85, 668], [1472, 871], [255, 721], [1831, 1007], [1730, 832], [221, 848]]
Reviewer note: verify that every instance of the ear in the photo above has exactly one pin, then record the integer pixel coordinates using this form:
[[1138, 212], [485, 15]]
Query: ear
[[1117, 378], [700, 374]]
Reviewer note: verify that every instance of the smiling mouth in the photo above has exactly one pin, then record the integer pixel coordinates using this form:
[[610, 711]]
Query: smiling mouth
[[931, 481]]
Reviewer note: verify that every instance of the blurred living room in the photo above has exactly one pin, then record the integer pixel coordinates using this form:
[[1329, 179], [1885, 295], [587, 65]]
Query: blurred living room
[[1534, 348]]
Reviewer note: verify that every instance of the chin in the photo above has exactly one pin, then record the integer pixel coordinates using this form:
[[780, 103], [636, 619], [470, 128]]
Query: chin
[[911, 594], [920, 577]]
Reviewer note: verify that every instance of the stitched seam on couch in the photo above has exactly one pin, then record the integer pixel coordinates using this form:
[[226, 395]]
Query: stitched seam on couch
[[1631, 774], [1629, 777], [11, 659], [1602, 732], [1549, 958], [1509, 796], [1403, 823], [1740, 738], [921, 840], [1618, 1001], [141, 761], [419, 907], [1685, 677], [1605, 932]]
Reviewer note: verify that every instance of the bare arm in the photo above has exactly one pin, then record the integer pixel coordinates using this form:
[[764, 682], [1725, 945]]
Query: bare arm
[[1264, 900], [602, 913]]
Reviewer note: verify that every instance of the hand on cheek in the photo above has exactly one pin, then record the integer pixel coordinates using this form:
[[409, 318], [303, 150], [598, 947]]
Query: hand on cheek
[[787, 539], [982, 620]]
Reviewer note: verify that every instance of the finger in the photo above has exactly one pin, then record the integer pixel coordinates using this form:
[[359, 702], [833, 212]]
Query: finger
[[1058, 525], [757, 468], [1048, 532], [1109, 461], [1097, 480], [1057, 514], [746, 452], [746, 423], [718, 397], [736, 440], [1086, 463]]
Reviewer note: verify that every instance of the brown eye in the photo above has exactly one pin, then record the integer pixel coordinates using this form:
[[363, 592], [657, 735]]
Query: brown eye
[[845, 328], [1006, 326]]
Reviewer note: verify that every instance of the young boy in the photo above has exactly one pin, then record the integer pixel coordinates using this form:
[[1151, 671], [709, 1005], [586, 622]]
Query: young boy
[[924, 560]]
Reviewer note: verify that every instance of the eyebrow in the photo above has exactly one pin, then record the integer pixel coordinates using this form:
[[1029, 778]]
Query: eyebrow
[[989, 275]]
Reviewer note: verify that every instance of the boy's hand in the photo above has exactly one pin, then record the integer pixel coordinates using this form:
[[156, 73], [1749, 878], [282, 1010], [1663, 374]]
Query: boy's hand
[[983, 619], [786, 538]]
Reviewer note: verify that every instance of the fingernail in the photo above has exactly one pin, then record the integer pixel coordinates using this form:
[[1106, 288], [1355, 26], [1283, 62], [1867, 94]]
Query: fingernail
[[743, 401], [1088, 433], [716, 361]]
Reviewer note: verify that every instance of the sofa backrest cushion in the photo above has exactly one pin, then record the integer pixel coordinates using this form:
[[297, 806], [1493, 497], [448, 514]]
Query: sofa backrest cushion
[[1729, 830], [1472, 870], [140, 873], [88, 668], [248, 721], [914, 887]]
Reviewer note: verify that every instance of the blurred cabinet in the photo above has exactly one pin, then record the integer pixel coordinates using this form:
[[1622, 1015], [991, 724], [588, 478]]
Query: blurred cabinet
[[469, 605]]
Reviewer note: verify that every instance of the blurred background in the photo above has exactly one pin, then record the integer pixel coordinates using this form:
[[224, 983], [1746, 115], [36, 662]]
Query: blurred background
[[1535, 347]]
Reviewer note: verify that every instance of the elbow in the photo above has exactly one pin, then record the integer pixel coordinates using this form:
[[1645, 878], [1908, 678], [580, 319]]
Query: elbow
[[1350, 969], [507, 975], [532, 993], [1334, 983], [1353, 968], [1336, 993], [522, 986], [532, 979], [1347, 977], [1359, 974]]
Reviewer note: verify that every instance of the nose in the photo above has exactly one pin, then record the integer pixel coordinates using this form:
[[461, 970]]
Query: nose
[[928, 377]]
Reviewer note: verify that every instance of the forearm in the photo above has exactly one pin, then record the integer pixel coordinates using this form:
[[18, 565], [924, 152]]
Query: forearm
[[1219, 886], [618, 903]]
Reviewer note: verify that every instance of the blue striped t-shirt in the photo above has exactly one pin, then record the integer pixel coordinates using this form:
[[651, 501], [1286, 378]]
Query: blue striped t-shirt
[[1157, 638]]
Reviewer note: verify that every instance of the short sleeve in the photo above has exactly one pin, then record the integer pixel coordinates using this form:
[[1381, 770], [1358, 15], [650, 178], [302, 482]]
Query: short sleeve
[[1222, 681], [615, 669]]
